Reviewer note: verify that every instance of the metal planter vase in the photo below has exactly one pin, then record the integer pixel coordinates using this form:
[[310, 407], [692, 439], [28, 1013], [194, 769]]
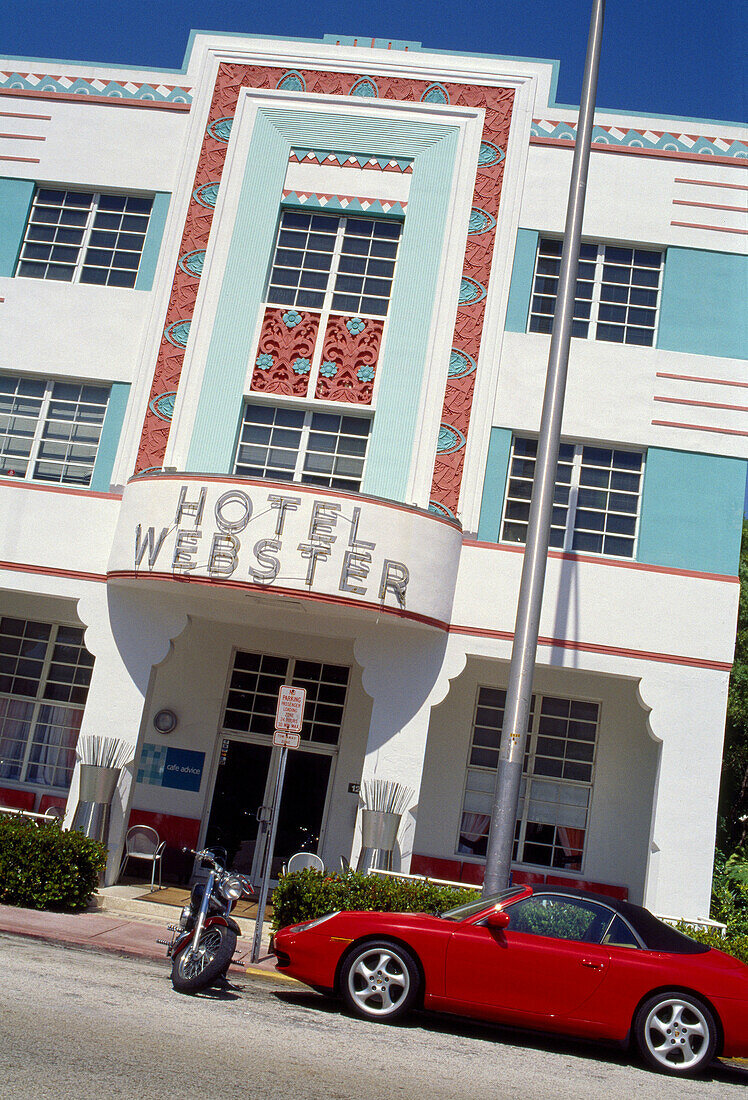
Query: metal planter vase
[[97, 786], [378, 836]]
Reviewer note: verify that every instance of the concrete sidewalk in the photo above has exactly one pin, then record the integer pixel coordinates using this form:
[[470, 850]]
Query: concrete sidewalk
[[117, 921]]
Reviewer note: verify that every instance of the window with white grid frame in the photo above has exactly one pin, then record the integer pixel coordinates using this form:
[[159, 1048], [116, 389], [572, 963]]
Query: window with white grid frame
[[256, 679], [328, 262], [84, 237], [616, 297], [45, 672], [295, 444], [556, 783], [50, 430], [596, 500]]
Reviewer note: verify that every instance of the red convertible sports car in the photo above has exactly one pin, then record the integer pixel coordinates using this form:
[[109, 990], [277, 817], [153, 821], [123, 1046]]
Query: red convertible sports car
[[555, 959]]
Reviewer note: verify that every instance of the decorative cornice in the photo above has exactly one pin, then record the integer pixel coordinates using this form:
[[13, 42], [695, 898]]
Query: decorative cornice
[[93, 86], [346, 204], [339, 159], [650, 141]]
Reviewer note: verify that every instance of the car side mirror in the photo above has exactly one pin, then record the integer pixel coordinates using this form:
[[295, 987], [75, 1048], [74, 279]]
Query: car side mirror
[[497, 919]]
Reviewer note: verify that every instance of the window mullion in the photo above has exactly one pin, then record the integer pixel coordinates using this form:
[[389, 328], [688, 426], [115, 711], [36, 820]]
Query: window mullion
[[39, 430], [576, 473], [86, 236], [38, 702], [303, 446], [596, 292], [334, 264]]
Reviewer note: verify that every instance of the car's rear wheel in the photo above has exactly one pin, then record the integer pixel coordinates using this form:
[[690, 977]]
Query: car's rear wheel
[[380, 980], [676, 1033]]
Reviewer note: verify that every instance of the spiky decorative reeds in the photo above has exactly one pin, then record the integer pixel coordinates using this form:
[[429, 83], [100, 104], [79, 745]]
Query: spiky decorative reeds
[[103, 752], [386, 795]]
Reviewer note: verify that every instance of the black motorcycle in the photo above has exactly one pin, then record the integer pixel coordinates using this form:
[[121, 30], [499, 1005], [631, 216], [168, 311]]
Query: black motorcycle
[[204, 939]]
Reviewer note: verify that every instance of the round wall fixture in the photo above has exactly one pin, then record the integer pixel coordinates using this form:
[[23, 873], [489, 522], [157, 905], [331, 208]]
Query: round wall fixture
[[165, 721]]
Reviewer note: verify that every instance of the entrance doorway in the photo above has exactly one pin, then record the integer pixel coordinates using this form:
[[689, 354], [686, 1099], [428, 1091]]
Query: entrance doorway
[[241, 804]]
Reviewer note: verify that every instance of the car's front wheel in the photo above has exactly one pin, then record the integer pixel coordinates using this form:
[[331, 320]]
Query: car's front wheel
[[380, 980], [676, 1033]]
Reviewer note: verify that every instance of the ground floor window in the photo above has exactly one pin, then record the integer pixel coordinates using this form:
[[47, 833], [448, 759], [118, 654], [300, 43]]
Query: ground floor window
[[556, 784], [45, 672]]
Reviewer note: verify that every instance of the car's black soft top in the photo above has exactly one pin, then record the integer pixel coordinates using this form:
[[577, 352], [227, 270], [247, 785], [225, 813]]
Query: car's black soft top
[[654, 933]]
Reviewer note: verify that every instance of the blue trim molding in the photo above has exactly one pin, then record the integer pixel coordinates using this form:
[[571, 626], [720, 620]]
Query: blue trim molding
[[520, 289], [692, 511], [101, 478], [703, 303], [494, 484], [15, 202], [152, 245]]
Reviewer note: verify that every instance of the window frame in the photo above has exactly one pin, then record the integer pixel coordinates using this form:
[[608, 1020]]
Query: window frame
[[87, 230], [39, 700], [528, 775], [595, 300], [307, 410], [572, 506], [43, 421]]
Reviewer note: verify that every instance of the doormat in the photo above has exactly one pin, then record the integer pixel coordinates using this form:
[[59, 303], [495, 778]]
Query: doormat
[[177, 896]]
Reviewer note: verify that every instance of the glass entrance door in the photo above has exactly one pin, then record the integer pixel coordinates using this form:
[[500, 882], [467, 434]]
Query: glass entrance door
[[242, 796]]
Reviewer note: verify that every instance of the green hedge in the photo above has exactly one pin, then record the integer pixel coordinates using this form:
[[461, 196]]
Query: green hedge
[[304, 895], [732, 943], [42, 867]]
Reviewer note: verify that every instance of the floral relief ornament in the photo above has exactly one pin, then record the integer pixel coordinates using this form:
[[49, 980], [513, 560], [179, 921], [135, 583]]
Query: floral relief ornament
[[291, 319], [301, 366], [365, 374], [355, 325], [329, 369], [264, 361]]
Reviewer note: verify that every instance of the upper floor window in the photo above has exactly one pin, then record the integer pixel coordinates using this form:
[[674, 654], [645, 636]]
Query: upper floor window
[[50, 431], [617, 292], [294, 444], [596, 499], [556, 783], [84, 237], [45, 672], [326, 262]]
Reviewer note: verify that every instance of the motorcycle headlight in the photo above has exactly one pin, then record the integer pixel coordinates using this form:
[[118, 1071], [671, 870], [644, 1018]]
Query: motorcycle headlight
[[232, 887], [184, 916]]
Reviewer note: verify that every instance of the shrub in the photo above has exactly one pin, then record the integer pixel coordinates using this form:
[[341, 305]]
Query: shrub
[[304, 895], [732, 943], [42, 867]]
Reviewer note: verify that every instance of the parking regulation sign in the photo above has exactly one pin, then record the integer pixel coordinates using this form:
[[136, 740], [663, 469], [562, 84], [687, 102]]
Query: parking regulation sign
[[290, 713], [286, 740]]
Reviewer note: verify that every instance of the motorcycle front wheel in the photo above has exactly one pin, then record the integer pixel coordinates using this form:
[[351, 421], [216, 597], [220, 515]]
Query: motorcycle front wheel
[[194, 970]]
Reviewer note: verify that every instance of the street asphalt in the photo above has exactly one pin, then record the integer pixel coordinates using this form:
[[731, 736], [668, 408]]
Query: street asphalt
[[77, 1024]]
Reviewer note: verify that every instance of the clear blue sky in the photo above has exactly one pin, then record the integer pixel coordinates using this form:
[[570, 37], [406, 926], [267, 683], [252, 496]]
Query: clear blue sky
[[683, 58]]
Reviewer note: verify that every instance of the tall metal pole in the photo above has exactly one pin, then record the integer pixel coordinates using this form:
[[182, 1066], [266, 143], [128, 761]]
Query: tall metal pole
[[267, 858], [524, 648]]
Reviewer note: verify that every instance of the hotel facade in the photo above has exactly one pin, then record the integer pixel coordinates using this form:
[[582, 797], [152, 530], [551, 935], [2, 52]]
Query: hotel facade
[[274, 333]]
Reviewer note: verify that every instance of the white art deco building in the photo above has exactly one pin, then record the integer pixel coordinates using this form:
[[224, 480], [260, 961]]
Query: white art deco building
[[273, 336]]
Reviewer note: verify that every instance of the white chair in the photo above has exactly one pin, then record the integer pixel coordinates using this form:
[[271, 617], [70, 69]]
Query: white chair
[[301, 860], [142, 842]]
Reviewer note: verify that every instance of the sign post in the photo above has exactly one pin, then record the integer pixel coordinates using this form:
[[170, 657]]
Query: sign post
[[289, 717]]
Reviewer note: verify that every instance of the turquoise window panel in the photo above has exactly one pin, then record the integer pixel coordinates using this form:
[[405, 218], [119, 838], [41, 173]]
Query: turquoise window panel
[[494, 484], [111, 430], [15, 202], [703, 301], [433, 149], [692, 511], [520, 289], [154, 237]]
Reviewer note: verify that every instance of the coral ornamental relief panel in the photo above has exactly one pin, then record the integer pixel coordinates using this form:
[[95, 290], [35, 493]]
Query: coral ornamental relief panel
[[350, 351]]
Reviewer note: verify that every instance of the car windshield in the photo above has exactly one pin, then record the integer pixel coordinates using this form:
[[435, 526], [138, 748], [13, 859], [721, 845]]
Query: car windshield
[[464, 912]]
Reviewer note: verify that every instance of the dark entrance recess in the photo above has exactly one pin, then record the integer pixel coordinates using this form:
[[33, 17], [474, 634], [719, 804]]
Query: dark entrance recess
[[240, 792]]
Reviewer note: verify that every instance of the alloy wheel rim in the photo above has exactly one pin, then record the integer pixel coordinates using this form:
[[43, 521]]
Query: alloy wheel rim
[[192, 962], [378, 981], [676, 1033]]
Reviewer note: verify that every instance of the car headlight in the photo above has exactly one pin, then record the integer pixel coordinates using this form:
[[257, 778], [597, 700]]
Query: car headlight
[[313, 923], [232, 887]]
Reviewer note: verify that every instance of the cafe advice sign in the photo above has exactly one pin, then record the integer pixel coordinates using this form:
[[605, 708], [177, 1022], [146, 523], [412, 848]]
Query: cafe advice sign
[[294, 539]]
